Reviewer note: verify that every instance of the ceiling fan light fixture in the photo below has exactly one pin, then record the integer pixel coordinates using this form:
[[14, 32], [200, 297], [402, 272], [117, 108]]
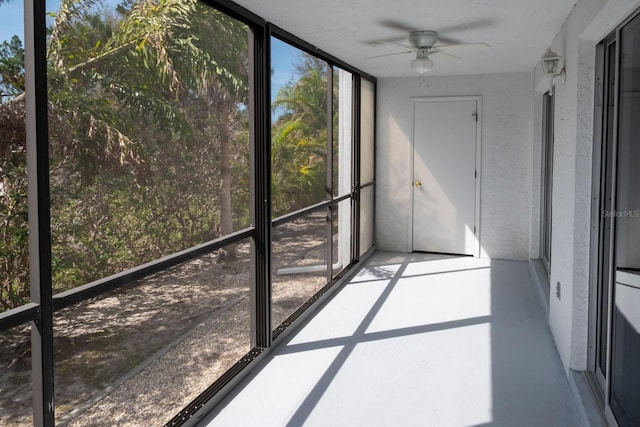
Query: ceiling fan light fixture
[[422, 64]]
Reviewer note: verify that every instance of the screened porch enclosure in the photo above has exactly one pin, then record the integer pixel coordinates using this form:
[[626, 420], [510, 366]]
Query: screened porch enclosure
[[208, 211], [185, 204]]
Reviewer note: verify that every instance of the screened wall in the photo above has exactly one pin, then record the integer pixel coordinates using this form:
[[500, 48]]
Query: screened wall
[[187, 203], [367, 164]]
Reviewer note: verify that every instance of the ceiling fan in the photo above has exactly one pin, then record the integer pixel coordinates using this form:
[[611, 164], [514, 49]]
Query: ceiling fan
[[424, 44]]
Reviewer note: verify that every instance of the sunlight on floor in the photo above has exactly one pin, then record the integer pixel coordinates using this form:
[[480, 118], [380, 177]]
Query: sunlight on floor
[[445, 308], [410, 341], [426, 297]]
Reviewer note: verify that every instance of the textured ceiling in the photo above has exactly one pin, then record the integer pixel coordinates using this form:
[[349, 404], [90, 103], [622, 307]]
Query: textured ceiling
[[518, 31]]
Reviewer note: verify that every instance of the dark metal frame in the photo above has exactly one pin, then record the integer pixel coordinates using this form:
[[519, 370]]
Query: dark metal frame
[[331, 202], [289, 38], [313, 208], [548, 108], [329, 173], [261, 265], [42, 355], [358, 185], [44, 304], [355, 169], [101, 286]]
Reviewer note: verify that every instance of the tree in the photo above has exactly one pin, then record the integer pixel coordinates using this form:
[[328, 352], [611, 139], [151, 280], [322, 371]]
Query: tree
[[11, 68], [148, 136], [225, 93], [14, 239], [299, 142], [134, 123]]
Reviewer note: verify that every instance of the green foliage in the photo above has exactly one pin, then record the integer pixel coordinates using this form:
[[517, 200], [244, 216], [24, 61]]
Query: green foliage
[[11, 68], [14, 247], [299, 138], [14, 238], [145, 113], [142, 101], [148, 138]]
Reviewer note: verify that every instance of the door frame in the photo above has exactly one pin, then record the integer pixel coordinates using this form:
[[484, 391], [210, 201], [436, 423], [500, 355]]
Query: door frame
[[546, 180], [596, 242], [602, 385], [422, 99]]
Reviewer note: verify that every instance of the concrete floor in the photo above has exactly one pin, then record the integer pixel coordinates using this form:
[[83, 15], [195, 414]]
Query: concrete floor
[[413, 340]]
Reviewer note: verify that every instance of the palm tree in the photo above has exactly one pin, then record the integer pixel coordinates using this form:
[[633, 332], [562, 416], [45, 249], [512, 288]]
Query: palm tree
[[299, 142], [123, 92], [147, 114], [158, 48]]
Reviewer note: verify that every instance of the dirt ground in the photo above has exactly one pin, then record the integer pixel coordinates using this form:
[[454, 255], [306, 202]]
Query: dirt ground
[[138, 355]]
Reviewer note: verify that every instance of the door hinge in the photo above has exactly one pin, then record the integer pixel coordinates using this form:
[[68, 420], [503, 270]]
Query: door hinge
[[475, 115], [475, 175], [474, 230]]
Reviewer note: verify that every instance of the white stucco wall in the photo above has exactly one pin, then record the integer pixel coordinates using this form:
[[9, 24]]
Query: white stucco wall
[[510, 193], [506, 174], [588, 23]]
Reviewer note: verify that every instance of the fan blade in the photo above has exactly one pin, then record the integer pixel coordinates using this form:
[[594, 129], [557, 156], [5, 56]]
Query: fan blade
[[393, 43], [390, 54], [447, 40], [442, 31], [396, 25], [463, 46], [469, 25], [442, 52]]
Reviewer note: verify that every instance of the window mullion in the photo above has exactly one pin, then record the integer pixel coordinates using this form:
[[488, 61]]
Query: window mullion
[[261, 274], [39, 212], [329, 172]]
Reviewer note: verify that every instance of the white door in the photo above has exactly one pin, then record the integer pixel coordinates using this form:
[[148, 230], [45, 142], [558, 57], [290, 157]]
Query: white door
[[444, 176]]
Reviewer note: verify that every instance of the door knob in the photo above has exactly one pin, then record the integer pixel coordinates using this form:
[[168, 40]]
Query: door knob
[[418, 184]]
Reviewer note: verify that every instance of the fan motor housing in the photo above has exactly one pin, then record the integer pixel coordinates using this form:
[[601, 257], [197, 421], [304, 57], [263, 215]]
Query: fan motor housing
[[420, 39]]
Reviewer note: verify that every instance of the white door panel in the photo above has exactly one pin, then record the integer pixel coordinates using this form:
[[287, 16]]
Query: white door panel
[[444, 191]]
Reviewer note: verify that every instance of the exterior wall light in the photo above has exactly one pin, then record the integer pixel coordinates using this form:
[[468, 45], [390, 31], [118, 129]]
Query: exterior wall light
[[553, 69]]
